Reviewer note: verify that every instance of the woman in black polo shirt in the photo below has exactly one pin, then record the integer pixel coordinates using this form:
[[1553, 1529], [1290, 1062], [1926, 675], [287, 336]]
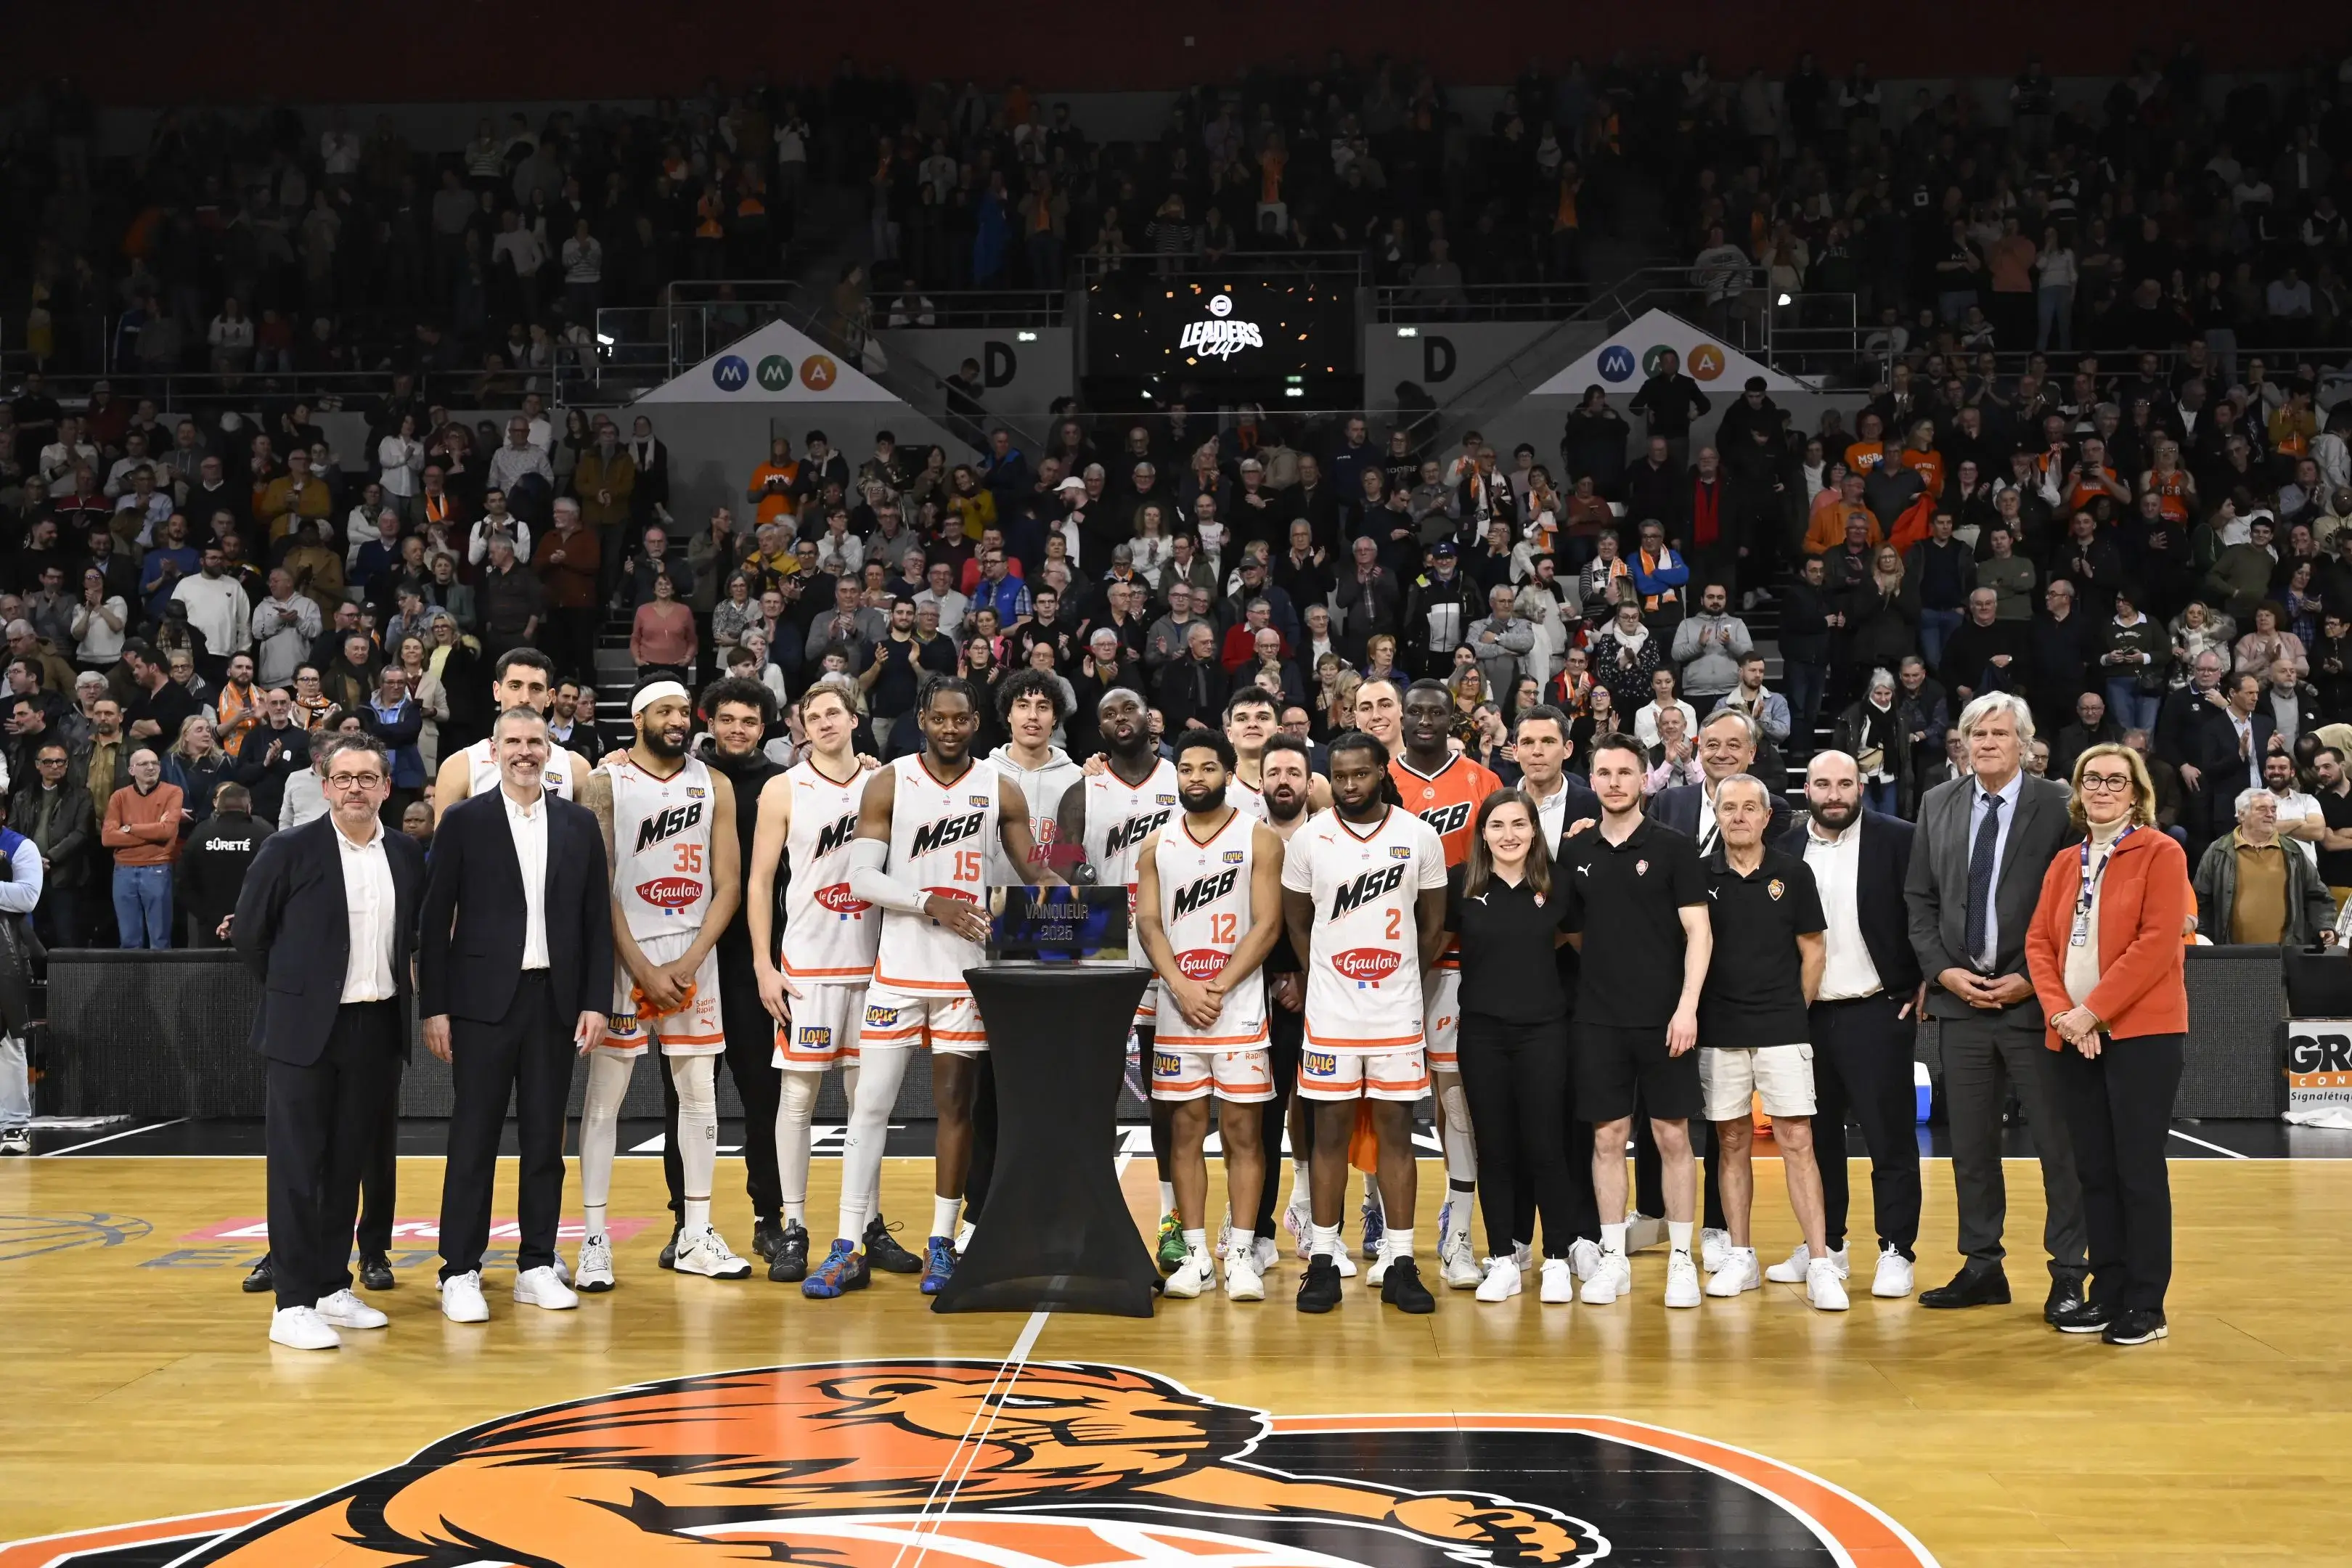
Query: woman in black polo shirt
[[1514, 1034]]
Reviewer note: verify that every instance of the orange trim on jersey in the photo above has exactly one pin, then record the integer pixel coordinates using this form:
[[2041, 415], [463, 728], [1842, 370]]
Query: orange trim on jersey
[[1213, 1042], [669, 1040], [932, 987], [1367, 1047], [957, 1033], [862, 972]]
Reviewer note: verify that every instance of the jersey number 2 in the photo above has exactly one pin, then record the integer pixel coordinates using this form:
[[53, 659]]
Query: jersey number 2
[[1396, 924]]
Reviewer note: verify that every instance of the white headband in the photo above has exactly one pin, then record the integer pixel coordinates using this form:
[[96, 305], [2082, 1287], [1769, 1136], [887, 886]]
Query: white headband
[[655, 693]]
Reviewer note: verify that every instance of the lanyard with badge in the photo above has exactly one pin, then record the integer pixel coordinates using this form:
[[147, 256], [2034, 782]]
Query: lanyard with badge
[[2090, 884]]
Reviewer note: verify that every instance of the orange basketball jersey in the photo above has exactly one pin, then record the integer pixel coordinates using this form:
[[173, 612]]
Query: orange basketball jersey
[[1448, 801]]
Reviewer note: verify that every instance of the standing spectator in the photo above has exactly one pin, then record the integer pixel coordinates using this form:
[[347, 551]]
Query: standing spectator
[[569, 561], [1938, 578], [1669, 401], [275, 750], [394, 717], [213, 863], [1501, 640], [283, 627], [304, 792], [662, 634], [511, 601], [54, 811], [143, 829], [2252, 889], [1709, 646], [218, 611], [1983, 843]]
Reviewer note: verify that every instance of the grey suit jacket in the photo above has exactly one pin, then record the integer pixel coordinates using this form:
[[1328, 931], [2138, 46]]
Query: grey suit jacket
[[1936, 890]]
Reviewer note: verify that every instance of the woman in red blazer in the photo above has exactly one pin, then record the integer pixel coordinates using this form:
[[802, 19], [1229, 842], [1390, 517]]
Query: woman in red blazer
[[2106, 956]]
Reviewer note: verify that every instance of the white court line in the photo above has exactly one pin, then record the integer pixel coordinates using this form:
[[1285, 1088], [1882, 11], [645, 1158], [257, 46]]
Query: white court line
[[94, 1142], [2184, 1137], [1015, 1362]]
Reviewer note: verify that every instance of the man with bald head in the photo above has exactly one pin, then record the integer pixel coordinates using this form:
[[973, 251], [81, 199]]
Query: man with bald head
[[1863, 1019]]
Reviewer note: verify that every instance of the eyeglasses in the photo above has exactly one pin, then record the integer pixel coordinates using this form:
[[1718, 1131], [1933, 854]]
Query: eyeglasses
[[2105, 784], [353, 780]]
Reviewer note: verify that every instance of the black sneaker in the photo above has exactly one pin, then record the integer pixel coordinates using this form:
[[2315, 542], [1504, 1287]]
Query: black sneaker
[[2064, 1296], [883, 1251], [376, 1272], [263, 1278], [2136, 1326], [1401, 1288], [767, 1234], [2083, 1318], [668, 1259], [788, 1260], [1318, 1291]]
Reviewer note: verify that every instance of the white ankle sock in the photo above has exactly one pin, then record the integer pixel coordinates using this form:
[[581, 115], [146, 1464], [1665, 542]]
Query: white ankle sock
[[1196, 1243], [1327, 1241], [1397, 1243], [698, 1216], [944, 1212], [1613, 1238], [1298, 1181], [594, 1226], [1678, 1235], [1167, 1197]]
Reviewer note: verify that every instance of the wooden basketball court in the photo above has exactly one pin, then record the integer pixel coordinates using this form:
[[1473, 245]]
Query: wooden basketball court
[[141, 1389]]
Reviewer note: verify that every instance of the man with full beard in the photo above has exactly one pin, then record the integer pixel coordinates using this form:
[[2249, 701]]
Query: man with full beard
[[1289, 787], [1863, 1021]]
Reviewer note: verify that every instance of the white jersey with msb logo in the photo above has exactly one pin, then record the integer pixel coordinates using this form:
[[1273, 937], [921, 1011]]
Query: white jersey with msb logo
[[661, 883], [1204, 909], [830, 934], [940, 836], [1119, 817], [1363, 973], [483, 770]]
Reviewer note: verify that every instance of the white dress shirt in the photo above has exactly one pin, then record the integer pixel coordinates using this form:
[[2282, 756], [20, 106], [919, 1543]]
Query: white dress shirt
[[1835, 863], [368, 898], [529, 824]]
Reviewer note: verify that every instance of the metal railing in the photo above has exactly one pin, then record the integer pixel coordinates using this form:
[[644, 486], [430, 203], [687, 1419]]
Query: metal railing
[[1415, 302], [1092, 270]]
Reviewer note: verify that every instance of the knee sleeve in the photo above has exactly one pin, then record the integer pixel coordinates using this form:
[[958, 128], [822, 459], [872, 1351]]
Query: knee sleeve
[[1457, 1106], [697, 1078], [698, 1123]]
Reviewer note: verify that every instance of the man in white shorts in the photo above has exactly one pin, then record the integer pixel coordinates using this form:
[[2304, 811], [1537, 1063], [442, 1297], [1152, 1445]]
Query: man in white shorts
[[524, 678], [815, 988], [925, 823], [675, 888], [1208, 911], [1769, 951], [1363, 895]]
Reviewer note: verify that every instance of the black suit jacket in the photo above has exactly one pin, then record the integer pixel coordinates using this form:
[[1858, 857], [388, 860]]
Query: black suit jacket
[[1678, 808], [293, 927], [469, 951], [2212, 747], [1879, 907]]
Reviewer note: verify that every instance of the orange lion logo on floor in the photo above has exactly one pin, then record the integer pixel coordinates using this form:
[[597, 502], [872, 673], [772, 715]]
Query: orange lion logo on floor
[[851, 1463]]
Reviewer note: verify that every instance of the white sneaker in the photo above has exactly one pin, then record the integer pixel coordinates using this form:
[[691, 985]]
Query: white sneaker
[[963, 1236], [461, 1299], [1823, 1289], [1894, 1276], [1713, 1247], [1298, 1219], [1610, 1277], [1376, 1270], [1500, 1282], [1524, 1255], [1792, 1272], [1264, 1254], [345, 1311], [1192, 1276], [562, 1270], [541, 1288], [301, 1329], [1244, 1280], [1738, 1273], [1459, 1266], [1682, 1280], [708, 1256], [595, 1265], [1642, 1231], [1583, 1257], [1558, 1283], [17, 1141], [1347, 1265]]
